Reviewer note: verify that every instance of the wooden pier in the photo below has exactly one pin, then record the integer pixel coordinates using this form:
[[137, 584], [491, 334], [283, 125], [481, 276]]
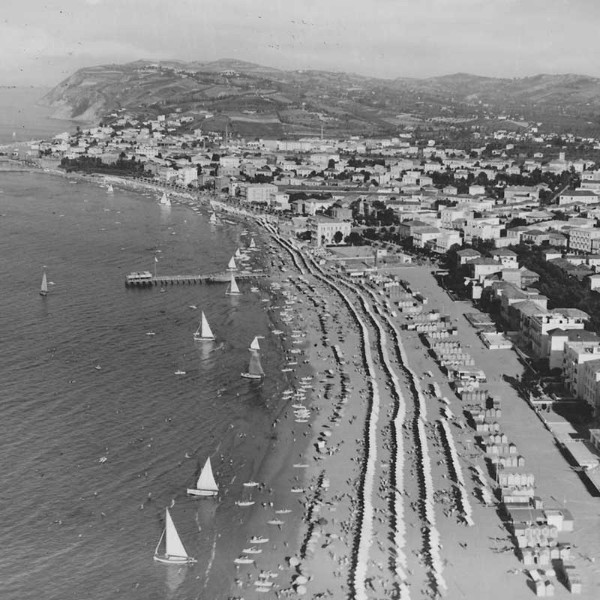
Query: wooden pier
[[146, 279]]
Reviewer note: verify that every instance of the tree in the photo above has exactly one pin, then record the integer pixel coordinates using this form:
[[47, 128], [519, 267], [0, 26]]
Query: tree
[[516, 222], [354, 239], [338, 236]]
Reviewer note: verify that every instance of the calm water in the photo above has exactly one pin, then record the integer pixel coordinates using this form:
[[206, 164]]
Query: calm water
[[24, 117], [71, 526]]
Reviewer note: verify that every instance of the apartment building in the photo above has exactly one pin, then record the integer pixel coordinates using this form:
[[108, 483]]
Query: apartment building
[[537, 327], [590, 383], [576, 354], [581, 239], [445, 240], [323, 229]]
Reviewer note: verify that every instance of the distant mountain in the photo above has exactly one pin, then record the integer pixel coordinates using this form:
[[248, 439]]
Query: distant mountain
[[256, 100]]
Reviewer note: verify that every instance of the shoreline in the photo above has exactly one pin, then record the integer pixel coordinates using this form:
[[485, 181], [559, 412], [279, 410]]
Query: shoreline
[[368, 522]]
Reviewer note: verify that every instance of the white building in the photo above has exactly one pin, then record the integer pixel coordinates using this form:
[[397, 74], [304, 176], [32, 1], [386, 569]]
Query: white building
[[259, 192], [324, 229], [576, 354], [580, 239]]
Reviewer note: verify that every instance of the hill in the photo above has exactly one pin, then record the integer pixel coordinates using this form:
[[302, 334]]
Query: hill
[[255, 100]]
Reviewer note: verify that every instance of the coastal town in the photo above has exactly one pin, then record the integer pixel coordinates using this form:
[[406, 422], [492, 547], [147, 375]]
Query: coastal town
[[455, 344]]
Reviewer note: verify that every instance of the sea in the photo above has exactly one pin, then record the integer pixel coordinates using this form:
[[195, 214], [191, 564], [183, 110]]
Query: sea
[[99, 434], [24, 116]]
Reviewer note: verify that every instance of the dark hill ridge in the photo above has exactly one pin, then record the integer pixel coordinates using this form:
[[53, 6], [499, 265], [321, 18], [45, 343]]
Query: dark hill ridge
[[300, 102]]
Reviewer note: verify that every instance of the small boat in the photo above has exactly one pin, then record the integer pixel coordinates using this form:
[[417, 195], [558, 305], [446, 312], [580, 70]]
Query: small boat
[[283, 511], [232, 288], [258, 540], [243, 560], [231, 266], [179, 372], [203, 332], [251, 484], [254, 345], [255, 370], [164, 201], [297, 490], [277, 522], [206, 484], [174, 549], [44, 286], [252, 243], [277, 332], [244, 502], [252, 550], [150, 333], [254, 289]]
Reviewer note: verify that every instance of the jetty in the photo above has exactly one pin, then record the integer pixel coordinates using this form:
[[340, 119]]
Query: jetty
[[147, 279]]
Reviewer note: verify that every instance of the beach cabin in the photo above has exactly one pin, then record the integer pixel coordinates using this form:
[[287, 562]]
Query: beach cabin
[[561, 518], [466, 378]]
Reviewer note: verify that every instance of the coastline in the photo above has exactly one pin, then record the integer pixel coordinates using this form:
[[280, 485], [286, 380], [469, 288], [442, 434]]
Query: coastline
[[329, 527]]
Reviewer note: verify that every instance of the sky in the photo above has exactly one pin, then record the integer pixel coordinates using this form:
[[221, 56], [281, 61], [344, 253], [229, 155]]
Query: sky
[[42, 42]]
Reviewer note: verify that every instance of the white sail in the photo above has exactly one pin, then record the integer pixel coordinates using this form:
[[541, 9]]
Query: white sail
[[252, 243], [255, 345], [233, 288], [255, 370], [213, 218], [173, 544], [206, 481], [164, 201], [238, 253], [206, 331], [109, 189], [232, 266], [44, 286]]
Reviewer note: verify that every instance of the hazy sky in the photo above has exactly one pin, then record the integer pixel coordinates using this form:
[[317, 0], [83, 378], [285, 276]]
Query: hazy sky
[[44, 41]]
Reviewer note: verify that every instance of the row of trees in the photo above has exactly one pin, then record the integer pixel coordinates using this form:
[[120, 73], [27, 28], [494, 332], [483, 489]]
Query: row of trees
[[93, 164]]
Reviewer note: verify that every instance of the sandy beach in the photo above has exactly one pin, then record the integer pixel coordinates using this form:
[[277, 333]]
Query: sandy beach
[[367, 500]]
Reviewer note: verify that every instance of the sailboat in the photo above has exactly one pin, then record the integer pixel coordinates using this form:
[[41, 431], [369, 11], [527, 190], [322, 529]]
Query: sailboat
[[109, 189], [254, 345], [174, 551], [231, 266], [164, 201], [255, 370], [213, 219], [204, 331], [232, 288], [238, 253], [44, 286], [252, 243], [206, 484]]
